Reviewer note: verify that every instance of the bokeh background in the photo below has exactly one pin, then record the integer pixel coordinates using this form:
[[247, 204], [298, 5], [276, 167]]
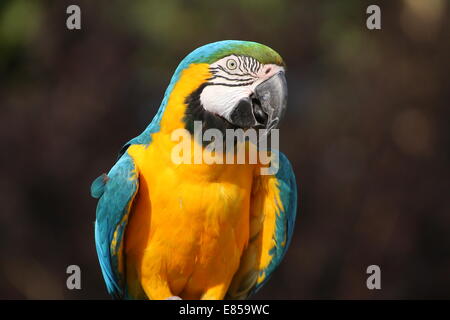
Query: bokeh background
[[367, 132]]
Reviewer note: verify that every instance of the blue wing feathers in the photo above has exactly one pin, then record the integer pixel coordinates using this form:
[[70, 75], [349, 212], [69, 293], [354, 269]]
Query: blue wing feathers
[[98, 186], [285, 220], [288, 194], [116, 196]]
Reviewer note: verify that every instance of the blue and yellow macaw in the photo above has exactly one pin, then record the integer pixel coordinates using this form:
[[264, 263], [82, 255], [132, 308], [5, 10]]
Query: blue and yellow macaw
[[199, 231]]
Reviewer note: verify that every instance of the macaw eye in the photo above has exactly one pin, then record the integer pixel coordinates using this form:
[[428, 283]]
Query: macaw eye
[[231, 64]]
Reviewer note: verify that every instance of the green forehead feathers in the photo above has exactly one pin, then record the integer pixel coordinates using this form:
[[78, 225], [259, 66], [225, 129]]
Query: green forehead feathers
[[217, 50]]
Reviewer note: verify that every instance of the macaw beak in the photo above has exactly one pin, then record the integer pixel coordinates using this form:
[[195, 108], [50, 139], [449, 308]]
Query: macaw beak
[[265, 107], [272, 95]]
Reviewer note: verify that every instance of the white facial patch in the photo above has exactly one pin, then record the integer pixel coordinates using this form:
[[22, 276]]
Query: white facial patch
[[221, 100]]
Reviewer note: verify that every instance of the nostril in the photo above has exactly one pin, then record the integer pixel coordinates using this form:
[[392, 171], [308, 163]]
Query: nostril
[[268, 70]]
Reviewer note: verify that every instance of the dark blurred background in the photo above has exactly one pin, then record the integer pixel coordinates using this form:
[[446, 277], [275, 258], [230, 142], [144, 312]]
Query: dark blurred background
[[367, 131]]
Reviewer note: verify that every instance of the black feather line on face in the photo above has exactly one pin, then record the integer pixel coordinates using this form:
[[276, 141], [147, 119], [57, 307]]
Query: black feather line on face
[[196, 112], [241, 64], [231, 79], [252, 65]]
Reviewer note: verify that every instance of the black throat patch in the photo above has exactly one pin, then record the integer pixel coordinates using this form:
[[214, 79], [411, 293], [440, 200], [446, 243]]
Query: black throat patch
[[196, 112]]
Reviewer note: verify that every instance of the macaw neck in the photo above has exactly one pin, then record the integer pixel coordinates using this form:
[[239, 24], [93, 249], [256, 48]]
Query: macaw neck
[[173, 111]]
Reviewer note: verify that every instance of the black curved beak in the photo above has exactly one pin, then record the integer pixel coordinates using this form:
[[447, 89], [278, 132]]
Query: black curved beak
[[265, 108], [272, 95]]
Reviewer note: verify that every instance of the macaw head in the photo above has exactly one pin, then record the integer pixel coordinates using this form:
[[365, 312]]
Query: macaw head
[[242, 85]]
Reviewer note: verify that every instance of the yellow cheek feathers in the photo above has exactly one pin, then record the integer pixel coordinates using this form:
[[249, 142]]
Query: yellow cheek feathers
[[190, 80]]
